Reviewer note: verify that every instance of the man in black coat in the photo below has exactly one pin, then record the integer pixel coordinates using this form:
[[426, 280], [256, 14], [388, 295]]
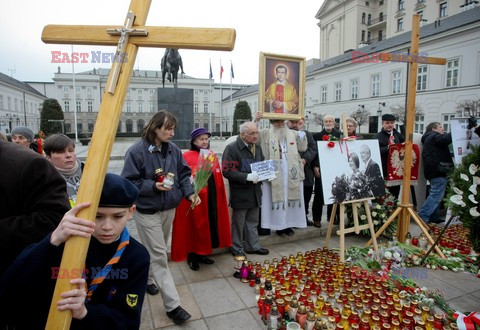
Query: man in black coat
[[372, 172], [307, 157], [33, 200], [318, 202], [245, 190], [437, 161], [387, 136]]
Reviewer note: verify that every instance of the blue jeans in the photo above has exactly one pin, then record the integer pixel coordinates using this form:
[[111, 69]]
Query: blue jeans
[[429, 211]]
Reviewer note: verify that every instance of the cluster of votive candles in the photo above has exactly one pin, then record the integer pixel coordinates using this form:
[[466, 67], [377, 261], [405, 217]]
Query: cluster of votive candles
[[317, 291]]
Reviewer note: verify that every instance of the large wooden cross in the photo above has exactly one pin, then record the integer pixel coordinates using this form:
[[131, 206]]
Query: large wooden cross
[[128, 39], [405, 209]]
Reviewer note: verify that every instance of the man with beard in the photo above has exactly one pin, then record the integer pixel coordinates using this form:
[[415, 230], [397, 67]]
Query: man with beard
[[282, 198], [318, 202], [306, 158]]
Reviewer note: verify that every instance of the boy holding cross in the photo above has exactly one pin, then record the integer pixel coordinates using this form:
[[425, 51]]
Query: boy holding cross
[[108, 292]]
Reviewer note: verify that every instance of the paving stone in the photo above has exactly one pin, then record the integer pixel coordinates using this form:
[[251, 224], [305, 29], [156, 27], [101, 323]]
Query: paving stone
[[244, 291], [467, 282], [234, 320], [216, 297], [177, 274], [467, 303], [476, 294], [205, 273], [193, 325], [160, 318], [449, 291]]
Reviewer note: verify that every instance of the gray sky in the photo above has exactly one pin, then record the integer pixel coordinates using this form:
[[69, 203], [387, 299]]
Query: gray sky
[[280, 27]]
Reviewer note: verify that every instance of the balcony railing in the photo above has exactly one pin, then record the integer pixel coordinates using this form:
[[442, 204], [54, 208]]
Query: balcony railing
[[377, 20]]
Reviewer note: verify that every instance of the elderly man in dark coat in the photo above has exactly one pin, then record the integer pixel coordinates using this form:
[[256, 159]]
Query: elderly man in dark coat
[[245, 190]]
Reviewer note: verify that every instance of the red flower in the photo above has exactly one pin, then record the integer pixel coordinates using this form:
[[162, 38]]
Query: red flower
[[292, 142], [325, 138], [331, 144]]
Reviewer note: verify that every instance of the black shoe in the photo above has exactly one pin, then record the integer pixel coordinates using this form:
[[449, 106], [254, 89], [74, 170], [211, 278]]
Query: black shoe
[[205, 260], [317, 224], [281, 232], [261, 251], [263, 232], [179, 315], [236, 275], [193, 265], [152, 289], [309, 223], [289, 232]]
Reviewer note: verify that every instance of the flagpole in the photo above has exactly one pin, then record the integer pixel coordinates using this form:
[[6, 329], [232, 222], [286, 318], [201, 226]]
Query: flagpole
[[210, 97], [221, 98], [74, 100]]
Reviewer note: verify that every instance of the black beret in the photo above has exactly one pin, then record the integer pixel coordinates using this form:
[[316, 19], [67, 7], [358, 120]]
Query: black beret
[[388, 117], [117, 192]]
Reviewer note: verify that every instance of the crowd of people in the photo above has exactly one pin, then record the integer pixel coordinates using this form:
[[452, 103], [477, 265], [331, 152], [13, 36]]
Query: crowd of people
[[157, 189]]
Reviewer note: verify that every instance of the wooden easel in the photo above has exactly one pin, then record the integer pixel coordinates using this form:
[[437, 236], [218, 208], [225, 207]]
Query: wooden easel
[[356, 226], [405, 208], [127, 38]]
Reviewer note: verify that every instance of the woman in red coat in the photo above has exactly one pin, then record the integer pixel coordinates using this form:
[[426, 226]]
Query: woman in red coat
[[207, 226]]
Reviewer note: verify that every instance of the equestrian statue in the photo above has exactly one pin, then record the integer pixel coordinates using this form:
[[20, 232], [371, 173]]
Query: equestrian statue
[[171, 62]]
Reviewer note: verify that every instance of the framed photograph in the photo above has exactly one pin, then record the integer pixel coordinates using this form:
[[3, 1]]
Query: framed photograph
[[281, 88], [350, 170]]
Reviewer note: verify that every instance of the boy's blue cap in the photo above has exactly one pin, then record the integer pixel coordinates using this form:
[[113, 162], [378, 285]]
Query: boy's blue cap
[[117, 192]]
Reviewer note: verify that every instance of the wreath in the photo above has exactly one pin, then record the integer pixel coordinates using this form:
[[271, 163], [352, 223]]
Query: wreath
[[463, 195]]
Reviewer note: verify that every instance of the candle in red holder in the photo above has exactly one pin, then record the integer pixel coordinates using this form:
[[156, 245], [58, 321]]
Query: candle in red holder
[[159, 175], [415, 241]]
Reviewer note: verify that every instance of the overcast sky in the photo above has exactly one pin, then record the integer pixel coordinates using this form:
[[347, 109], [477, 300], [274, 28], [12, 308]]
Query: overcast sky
[[280, 27]]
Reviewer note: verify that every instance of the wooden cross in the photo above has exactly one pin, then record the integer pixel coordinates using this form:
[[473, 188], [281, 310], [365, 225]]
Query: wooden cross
[[405, 209], [133, 34]]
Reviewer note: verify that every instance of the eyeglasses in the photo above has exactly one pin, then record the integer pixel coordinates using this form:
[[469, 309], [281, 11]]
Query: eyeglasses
[[252, 133]]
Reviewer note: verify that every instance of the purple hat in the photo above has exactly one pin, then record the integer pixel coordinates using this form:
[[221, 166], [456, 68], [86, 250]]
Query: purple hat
[[199, 131]]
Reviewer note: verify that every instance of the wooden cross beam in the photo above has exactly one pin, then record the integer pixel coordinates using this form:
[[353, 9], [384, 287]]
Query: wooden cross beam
[[128, 38], [405, 210]]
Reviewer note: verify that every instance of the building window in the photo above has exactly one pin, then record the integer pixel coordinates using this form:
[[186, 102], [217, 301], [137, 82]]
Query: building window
[[89, 106], [79, 127], [16, 104], [396, 82], [323, 93], [380, 17], [376, 85], [369, 36], [140, 106], [401, 4], [422, 78], [419, 124], [380, 3], [363, 18], [129, 125], [66, 106], [420, 13], [9, 103], [79, 106], [1, 102], [152, 106], [367, 3], [400, 24], [452, 72], [369, 21], [338, 91], [140, 125], [129, 107], [354, 85], [195, 107], [205, 125], [205, 107], [68, 128], [380, 35], [363, 35], [90, 127], [446, 121], [443, 9], [197, 125]]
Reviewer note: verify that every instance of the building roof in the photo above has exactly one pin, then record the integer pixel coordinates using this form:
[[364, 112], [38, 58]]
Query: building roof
[[19, 84], [243, 92], [135, 73], [440, 26]]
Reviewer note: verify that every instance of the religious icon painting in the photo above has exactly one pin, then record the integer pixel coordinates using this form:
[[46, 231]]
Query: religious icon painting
[[281, 88], [350, 170]]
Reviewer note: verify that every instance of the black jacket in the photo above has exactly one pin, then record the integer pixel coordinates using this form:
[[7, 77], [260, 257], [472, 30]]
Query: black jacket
[[116, 303], [309, 155], [382, 138], [33, 200], [435, 150], [236, 162]]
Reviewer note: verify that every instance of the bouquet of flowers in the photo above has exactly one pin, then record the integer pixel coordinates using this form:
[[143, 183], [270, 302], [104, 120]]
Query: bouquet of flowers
[[206, 160], [360, 187], [463, 196], [380, 210], [340, 188]]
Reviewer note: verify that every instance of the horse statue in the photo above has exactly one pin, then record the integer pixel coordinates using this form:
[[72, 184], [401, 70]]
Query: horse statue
[[171, 63]]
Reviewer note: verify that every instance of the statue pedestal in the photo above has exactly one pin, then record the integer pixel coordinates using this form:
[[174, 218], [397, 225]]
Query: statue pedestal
[[182, 144]]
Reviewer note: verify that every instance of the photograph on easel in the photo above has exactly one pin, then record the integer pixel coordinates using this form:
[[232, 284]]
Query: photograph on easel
[[350, 170]]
